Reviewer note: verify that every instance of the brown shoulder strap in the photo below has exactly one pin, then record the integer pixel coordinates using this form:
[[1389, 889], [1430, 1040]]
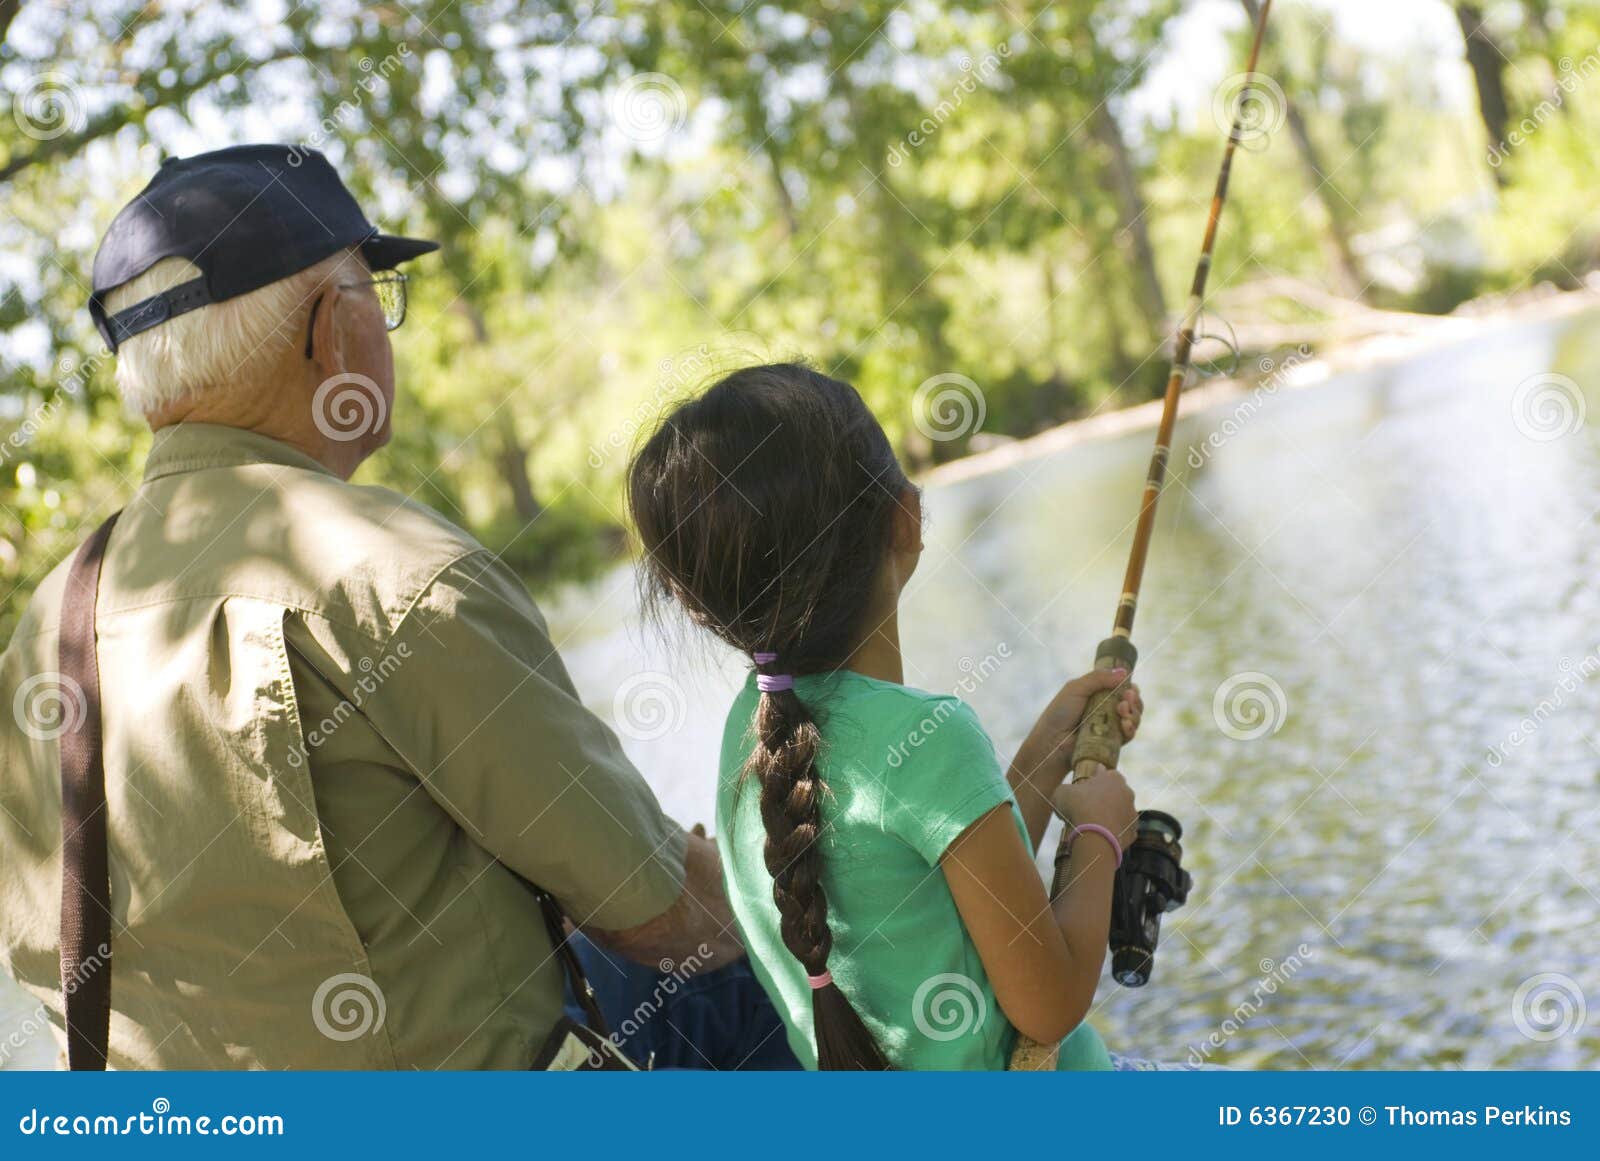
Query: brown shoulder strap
[[577, 981], [85, 868]]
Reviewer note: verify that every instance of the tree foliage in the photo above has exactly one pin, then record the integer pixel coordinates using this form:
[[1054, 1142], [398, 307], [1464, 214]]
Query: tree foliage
[[633, 195]]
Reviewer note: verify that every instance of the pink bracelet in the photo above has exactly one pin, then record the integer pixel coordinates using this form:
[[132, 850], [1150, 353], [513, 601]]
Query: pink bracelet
[[1096, 828]]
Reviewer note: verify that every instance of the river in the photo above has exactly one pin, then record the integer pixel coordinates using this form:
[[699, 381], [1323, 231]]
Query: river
[[1368, 641], [1368, 637]]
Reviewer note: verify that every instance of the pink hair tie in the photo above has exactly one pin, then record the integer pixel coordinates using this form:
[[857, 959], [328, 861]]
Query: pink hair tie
[[1096, 828], [772, 682], [821, 981]]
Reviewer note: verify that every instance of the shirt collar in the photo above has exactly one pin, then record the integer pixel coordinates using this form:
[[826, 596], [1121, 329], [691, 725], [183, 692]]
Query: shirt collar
[[193, 447]]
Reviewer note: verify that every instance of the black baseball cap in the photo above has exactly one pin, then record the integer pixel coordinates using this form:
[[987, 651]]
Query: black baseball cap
[[247, 216]]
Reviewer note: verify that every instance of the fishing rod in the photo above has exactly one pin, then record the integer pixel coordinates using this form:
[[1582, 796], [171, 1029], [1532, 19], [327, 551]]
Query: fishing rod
[[1151, 879]]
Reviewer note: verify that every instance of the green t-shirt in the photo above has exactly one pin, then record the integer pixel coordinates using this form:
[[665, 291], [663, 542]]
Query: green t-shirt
[[907, 772]]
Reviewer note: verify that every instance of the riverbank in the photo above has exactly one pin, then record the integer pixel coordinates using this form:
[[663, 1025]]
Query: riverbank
[[1410, 335]]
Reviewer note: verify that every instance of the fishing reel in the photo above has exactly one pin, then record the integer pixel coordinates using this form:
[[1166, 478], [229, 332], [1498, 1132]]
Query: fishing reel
[[1150, 882]]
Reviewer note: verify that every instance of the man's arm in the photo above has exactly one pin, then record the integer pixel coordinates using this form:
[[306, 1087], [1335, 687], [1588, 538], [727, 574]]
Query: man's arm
[[483, 711], [699, 924]]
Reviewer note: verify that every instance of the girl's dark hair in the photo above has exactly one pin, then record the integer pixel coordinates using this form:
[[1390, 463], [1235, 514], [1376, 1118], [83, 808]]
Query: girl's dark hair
[[766, 508]]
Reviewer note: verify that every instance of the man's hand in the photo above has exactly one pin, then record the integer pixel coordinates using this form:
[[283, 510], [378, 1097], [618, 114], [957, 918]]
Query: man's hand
[[699, 925]]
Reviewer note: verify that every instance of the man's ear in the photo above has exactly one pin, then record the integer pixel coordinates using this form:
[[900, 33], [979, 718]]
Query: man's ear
[[327, 333]]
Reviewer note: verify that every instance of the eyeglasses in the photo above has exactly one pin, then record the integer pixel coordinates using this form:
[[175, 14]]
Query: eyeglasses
[[389, 286]]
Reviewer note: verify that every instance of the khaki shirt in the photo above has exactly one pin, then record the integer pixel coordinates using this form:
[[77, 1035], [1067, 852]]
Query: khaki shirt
[[339, 746]]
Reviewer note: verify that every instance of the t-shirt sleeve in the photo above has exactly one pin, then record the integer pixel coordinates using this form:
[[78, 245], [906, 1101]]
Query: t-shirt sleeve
[[943, 777], [484, 712]]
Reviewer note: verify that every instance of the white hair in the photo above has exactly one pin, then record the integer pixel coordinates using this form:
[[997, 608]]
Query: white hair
[[220, 348]]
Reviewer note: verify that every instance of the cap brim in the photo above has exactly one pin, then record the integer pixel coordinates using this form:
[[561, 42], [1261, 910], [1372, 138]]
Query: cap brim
[[385, 251]]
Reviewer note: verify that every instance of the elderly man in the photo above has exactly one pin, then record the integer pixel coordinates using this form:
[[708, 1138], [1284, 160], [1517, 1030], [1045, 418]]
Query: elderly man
[[341, 754]]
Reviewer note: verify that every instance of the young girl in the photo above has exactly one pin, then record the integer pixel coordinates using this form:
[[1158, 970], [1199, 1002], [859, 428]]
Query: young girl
[[879, 862]]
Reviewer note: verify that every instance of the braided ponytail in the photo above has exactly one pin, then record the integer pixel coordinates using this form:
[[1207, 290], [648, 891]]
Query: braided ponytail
[[765, 508], [784, 763]]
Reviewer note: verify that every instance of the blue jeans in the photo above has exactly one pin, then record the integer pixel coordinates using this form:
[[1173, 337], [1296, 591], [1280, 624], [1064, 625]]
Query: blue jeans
[[720, 1019]]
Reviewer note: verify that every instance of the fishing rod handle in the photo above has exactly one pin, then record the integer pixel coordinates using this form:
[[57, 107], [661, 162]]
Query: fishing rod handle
[[1099, 739], [1098, 744]]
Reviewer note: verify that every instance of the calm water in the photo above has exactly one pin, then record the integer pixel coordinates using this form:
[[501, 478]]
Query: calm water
[[1391, 804], [1393, 570]]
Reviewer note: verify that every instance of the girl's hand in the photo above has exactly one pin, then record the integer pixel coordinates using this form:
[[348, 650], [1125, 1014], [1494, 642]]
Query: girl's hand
[[1104, 799], [1041, 762], [1061, 717]]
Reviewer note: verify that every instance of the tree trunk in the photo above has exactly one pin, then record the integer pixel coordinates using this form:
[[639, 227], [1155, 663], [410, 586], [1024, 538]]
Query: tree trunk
[[1135, 233], [1341, 256], [1487, 61], [510, 456], [512, 459], [8, 13]]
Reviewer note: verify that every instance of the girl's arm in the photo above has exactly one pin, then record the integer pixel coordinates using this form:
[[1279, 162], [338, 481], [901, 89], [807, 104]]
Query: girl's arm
[[1043, 959], [1041, 762]]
